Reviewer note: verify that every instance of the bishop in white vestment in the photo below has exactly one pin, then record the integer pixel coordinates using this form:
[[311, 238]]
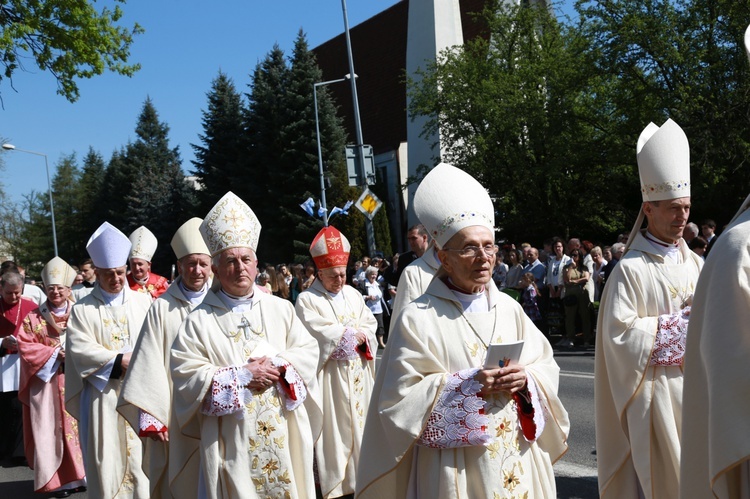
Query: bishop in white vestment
[[243, 368], [643, 317], [171, 460], [102, 330], [338, 318]]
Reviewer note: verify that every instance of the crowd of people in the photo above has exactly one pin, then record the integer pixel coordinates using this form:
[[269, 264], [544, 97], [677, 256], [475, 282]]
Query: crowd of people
[[240, 380]]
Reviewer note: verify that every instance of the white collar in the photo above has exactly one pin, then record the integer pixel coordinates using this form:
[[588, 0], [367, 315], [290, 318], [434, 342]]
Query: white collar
[[113, 300], [668, 251], [239, 304], [194, 297]]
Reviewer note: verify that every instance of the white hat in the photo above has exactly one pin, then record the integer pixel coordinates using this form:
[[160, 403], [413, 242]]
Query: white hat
[[144, 244], [448, 200], [108, 247], [230, 224], [58, 272], [663, 162], [188, 240]]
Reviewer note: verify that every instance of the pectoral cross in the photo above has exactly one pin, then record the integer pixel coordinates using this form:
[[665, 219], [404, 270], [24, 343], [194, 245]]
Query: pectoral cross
[[245, 325]]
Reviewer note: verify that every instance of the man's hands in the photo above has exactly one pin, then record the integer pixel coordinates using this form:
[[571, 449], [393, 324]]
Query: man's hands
[[264, 373], [10, 343], [160, 437], [361, 337], [125, 361], [509, 379]]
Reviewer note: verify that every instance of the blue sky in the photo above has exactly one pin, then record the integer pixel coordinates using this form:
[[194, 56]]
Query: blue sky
[[185, 44]]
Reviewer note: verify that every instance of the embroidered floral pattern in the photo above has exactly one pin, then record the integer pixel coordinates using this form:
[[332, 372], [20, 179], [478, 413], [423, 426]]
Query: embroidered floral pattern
[[229, 393], [458, 417], [672, 186], [671, 335], [458, 217], [295, 381], [347, 347], [149, 424]]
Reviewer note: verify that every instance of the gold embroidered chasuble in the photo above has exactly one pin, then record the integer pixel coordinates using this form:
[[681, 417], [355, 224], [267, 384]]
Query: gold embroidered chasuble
[[716, 428], [432, 340], [112, 450], [148, 387], [267, 450], [638, 405], [345, 383]]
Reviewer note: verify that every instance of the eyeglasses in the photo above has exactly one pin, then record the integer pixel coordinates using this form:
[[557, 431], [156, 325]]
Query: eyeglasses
[[473, 251]]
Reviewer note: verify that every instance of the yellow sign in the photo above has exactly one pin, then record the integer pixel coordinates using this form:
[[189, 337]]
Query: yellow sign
[[368, 203]]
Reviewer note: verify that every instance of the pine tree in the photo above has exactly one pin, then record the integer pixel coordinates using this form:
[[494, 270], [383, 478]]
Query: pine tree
[[90, 200], [219, 158], [114, 189], [65, 195], [264, 122]]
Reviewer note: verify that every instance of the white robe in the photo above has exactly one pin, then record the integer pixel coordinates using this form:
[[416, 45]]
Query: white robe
[[268, 450], [148, 387], [638, 405], [716, 407], [345, 385], [112, 450], [414, 280], [432, 340]]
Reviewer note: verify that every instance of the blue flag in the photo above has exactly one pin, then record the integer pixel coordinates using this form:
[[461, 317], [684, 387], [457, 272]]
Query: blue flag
[[308, 206]]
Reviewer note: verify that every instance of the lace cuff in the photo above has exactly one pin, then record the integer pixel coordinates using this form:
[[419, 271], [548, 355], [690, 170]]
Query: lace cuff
[[671, 334], [229, 392], [347, 347], [291, 383], [458, 418], [147, 424]]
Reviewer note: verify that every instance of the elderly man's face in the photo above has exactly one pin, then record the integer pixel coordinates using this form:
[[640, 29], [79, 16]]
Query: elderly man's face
[[667, 219], [469, 273], [12, 293], [333, 280], [532, 255], [237, 270], [195, 270], [57, 294], [112, 280], [139, 268]]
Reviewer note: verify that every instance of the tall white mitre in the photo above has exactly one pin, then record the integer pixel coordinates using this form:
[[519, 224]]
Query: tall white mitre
[[144, 244], [108, 247], [449, 199], [188, 239], [663, 155], [663, 162], [230, 224], [57, 272]]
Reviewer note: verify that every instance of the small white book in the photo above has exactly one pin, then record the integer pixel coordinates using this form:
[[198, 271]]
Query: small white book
[[502, 354]]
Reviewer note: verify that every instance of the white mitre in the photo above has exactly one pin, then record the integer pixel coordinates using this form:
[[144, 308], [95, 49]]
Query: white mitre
[[58, 272], [663, 162], [188, 240], [230, 224], [144, 244], [448, 200], [108, 247]]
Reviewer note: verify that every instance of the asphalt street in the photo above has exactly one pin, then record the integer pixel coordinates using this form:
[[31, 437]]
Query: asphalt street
[[575, 472]]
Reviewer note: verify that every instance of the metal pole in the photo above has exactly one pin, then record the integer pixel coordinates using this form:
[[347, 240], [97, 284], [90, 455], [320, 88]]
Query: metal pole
[[10, 147], [320, 159], [358, 130]]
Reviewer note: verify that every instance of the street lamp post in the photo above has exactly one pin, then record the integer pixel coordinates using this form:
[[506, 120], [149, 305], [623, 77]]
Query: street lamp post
[[11, 147], [369, 229], [320, 153]]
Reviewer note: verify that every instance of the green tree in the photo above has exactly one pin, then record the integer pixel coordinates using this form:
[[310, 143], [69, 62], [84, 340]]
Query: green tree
[[91, 199], [65, 195], [159, 196], [68, 38], [219, 157]]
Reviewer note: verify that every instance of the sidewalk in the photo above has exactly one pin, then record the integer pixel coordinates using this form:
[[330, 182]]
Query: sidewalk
[[18, 483]]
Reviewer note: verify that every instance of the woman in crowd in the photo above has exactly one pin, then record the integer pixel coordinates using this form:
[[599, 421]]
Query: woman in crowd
[[374, 300], [309, 276], [515, 269], [295, 286], [576, 300], [597, 275]]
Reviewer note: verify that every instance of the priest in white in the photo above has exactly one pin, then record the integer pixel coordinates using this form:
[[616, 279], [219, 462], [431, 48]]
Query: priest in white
[[643, 318], [415, 278], [441, 424], [171, 460], [337, 316], [102, 330], [716, 429], [243, 368]]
